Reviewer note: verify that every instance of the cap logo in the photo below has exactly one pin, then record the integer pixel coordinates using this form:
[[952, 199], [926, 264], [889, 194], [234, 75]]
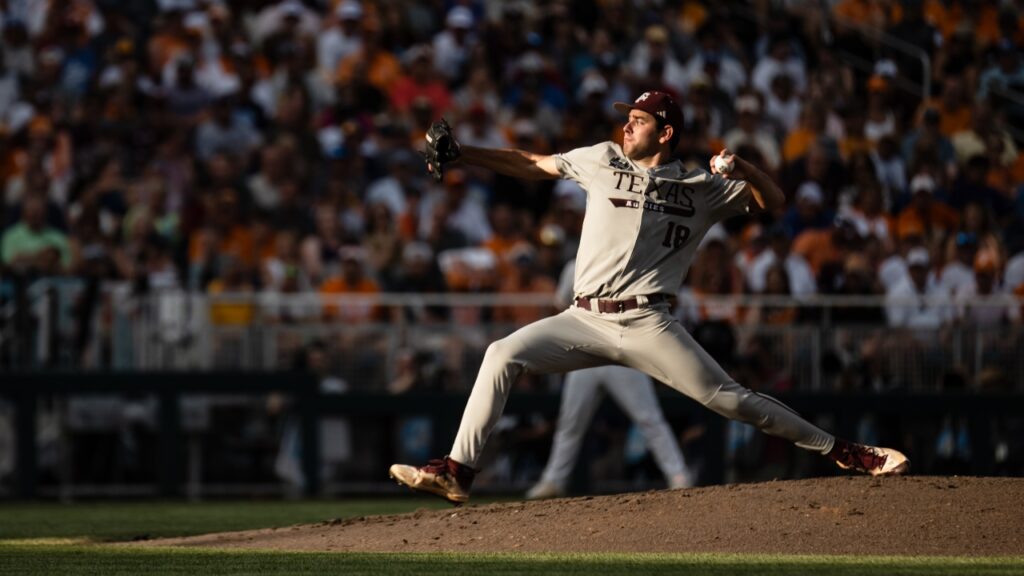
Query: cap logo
[[661, 113], [643, 97]]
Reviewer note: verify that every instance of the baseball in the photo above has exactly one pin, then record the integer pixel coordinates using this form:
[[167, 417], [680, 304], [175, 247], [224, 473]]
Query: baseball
[[723, 166]]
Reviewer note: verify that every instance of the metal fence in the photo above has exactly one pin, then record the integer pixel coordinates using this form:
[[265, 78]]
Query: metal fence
[[373, 340]]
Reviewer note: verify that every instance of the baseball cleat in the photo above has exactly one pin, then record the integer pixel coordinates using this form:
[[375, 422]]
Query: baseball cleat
[[445, 478], [682, 480], [543, 490], [869, 459]]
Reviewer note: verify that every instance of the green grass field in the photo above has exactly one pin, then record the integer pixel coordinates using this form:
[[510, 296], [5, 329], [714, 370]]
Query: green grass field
[[55, 539]]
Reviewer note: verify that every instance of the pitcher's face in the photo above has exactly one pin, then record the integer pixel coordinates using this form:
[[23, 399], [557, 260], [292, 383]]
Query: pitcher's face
[[641, 135]]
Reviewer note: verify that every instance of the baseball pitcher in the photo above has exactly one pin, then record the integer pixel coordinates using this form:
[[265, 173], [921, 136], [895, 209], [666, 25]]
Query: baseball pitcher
[[644, 219], [581, 396]]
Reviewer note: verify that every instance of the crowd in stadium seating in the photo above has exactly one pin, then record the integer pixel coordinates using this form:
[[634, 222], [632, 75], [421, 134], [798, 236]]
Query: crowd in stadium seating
[[228, 146], [270, 147]]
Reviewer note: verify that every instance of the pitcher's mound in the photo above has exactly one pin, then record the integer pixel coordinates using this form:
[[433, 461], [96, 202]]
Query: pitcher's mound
[[915, 515]]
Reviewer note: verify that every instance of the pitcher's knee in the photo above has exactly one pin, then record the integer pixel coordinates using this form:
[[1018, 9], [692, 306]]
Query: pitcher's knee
[[736, 402], [502, 351]]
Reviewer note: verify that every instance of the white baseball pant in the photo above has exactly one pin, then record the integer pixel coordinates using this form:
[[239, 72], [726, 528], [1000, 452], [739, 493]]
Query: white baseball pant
[[648, 339], [634, 392]]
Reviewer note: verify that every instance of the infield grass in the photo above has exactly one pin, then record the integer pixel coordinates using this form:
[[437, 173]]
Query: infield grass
[[58, 560], [111, 521], [57, 540]]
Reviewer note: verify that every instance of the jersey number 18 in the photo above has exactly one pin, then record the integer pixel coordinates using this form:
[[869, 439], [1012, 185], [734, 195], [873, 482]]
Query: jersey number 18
[[675, 236]]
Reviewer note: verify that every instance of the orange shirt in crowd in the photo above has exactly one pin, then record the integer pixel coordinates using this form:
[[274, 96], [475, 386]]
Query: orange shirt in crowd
[[501, 247], [238, 244], [939, 217], [523, 315], [382, 71], [948, 16], [816, 246], [869, 12], [951, 120], [1006, 179], [405, 91], [165, 47], [229, 313], [852, 145], [797, 143], [354, 312]]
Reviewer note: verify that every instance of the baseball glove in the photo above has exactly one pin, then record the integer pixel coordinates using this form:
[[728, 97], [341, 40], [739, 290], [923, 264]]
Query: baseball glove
[[442, 148]]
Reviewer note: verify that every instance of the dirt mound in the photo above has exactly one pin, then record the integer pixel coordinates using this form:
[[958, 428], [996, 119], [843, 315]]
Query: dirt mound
[[914, 515]]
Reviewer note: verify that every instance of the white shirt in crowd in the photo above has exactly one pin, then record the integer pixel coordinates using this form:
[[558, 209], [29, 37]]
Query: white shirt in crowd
[[906, 307], [956, 278], [1014, 275], [894, 270], [768, 68], [988, 311], [801, 277]]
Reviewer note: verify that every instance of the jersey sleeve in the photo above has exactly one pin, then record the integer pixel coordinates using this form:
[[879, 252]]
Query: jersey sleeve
[[727, 197], [579, 164]]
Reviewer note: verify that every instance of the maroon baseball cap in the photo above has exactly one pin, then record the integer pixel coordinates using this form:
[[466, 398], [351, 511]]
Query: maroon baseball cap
[[658, 104]]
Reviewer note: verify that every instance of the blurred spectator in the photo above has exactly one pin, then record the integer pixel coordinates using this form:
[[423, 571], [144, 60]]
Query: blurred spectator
[[33, 247], [226, 131], [454, 45], [342, 37], [782, 106], [465, 210], [419, 273], [381, 241], [776, 283], [928, 139], [926, 212], [956, 276], [802, 137], [275, 170], [972, 188], [522, 278], [915, 303], [479, 129], [713, 59], [1013, 278], [855, 141], [826, 249], [372, 64], [420, 81], [779, 59], [506, 234], [654, 52], [1005, 73], [233, 285], [998, 309], [868, 213], [799, 276], [856, 278], [350, 280], [750, 131], [953, 106], [890, 170], [713, 274], [879, 121], [808, 212], [974, 141]]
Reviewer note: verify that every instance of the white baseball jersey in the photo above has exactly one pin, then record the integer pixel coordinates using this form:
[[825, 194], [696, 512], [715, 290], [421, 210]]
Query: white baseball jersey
[[640, 232], [642, 226]]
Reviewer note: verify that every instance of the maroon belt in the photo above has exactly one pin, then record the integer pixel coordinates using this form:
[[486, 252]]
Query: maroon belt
[[606, 306]]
